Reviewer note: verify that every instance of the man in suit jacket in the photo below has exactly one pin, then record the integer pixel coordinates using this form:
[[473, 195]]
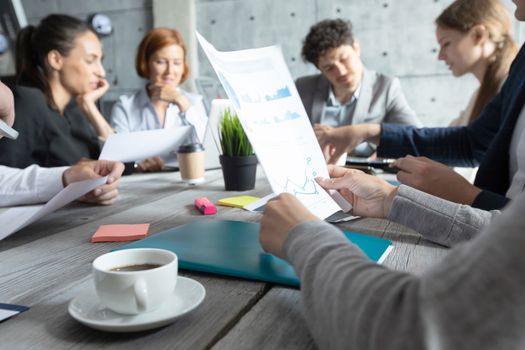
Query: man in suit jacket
[[379, 99], [346, 92]]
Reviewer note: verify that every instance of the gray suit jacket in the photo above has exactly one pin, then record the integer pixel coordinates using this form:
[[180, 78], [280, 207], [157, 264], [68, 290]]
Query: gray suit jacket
[[380, 100]]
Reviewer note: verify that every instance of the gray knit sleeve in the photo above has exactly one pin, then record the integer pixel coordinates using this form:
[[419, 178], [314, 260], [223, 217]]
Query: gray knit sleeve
[[437, 219], [349, 301], [471, 300]]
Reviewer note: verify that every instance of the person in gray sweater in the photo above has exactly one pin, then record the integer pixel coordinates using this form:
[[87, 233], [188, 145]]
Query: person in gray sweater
[[471, 300], [437, 219]]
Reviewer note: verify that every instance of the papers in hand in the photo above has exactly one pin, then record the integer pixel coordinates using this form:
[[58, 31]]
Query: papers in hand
[[139, 145], [15, 219], [270, 110]]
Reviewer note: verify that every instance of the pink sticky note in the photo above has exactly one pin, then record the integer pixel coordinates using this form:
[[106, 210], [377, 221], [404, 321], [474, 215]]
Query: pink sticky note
[[120, 233]]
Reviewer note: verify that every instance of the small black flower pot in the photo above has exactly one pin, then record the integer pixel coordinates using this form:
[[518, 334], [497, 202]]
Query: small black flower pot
[[239, 172]]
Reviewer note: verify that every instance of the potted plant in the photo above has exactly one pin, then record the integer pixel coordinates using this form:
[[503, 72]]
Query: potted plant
[[239, 163]]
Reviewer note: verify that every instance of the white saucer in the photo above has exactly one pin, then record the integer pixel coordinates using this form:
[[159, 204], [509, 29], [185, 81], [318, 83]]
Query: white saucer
[[88, 310]]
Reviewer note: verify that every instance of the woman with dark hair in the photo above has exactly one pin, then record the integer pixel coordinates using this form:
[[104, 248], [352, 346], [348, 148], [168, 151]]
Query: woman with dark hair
[[161, 59], [59, 78], [36, 184]]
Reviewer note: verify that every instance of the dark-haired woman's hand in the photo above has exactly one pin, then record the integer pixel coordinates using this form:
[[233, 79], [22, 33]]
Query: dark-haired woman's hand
[[86, 103], [94, 95]]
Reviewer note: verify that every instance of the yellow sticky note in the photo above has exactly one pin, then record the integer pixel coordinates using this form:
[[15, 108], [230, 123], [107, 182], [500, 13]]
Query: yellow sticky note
[[237, 202]]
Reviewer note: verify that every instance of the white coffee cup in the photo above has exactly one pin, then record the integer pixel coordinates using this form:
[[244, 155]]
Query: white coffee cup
[[137, 291]]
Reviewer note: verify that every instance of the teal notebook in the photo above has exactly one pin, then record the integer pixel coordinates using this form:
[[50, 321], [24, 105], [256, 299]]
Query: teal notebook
[[232, 248]]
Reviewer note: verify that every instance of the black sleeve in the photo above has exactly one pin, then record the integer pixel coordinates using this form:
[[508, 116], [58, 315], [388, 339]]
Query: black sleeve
[[30, 147]]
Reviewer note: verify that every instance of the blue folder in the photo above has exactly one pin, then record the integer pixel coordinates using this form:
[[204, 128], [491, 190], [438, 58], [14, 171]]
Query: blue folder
[[232, 248]]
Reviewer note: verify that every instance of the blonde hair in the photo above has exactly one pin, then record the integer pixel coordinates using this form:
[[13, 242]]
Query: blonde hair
[[463, 15]]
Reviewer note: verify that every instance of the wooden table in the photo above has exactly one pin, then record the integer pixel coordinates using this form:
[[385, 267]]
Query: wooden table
[[48, 263]]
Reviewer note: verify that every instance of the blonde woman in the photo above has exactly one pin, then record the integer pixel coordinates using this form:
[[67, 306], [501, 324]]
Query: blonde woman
[[476, 40]]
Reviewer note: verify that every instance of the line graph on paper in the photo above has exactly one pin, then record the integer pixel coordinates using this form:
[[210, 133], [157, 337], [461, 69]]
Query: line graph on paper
[[304, 186]]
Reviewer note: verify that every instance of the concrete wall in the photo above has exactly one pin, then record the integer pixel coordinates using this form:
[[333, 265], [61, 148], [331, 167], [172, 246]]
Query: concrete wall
[[397, 37]]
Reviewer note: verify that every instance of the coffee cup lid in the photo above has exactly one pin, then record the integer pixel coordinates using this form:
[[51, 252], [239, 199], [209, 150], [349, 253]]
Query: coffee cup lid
[[191, 147]]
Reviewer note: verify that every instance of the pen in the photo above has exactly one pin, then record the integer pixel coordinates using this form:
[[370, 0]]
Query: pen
[[7, 131], [365, 168]]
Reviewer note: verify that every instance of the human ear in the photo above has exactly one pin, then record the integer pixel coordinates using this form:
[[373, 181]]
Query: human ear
[[55, 60], [357, 47], [479, 34]]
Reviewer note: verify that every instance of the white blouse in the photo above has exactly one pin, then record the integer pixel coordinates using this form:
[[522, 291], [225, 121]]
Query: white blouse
[[136, 113]]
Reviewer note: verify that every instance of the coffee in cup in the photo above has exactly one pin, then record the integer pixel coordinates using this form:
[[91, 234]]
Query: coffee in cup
[[134, 281], [191, 163], [138, 267]]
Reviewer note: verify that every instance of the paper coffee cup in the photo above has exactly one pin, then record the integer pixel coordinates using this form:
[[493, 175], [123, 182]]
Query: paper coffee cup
[[191, 163], [134, 281]]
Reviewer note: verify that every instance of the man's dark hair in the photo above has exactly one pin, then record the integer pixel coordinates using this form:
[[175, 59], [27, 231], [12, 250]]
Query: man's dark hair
[[325, 35]]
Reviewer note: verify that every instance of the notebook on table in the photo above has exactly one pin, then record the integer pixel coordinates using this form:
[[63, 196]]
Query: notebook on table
[[232, 248]]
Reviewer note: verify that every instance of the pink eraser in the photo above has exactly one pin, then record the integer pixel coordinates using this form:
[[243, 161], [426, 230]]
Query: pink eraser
[[205, 206]]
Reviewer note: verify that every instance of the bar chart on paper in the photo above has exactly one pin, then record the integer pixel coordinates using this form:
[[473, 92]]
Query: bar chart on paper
[[274, 119]]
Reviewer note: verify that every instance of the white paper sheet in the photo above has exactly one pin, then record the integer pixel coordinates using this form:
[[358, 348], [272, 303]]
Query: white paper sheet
[[139, 145], [15, 219], [264, 95], [5, 314], [259, 205]]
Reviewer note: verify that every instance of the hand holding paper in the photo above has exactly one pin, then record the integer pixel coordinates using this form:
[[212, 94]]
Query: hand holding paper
[[93, 169]]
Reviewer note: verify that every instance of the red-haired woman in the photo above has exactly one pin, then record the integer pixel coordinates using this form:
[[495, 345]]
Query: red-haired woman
[[161, 59]]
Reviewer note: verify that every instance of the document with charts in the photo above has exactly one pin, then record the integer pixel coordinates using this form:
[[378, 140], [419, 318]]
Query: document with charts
[[262, 90]]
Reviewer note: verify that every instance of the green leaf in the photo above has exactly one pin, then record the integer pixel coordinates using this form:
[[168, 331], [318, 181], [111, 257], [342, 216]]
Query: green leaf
[[234, 142]]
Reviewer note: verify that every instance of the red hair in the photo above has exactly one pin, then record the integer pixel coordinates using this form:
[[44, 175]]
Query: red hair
[[155, 40]]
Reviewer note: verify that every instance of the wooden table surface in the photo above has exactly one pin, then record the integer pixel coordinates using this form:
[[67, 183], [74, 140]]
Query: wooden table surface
[[48, 263]]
